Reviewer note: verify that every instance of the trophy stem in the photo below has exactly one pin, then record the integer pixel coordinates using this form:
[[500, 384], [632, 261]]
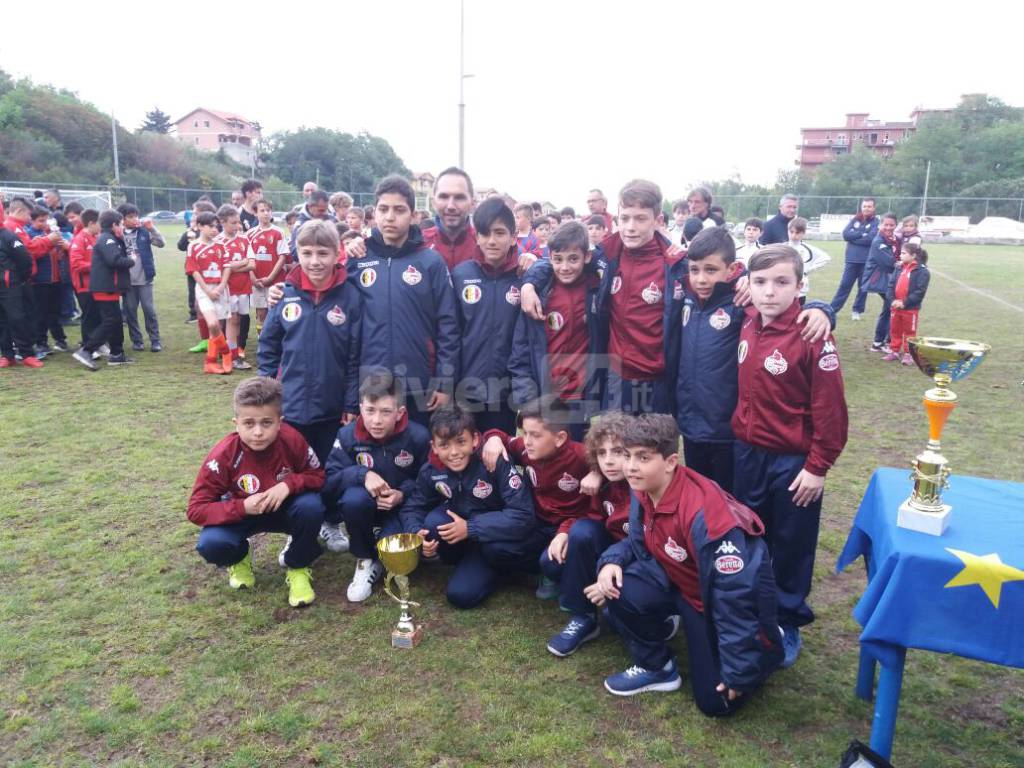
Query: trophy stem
[[938, 411]]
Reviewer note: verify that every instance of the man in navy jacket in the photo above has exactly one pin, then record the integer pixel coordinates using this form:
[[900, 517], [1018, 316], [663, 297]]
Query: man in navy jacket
[[858, 234]]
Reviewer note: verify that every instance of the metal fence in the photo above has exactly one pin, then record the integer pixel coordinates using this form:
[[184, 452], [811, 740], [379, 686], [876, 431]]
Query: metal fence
[[739, 207]]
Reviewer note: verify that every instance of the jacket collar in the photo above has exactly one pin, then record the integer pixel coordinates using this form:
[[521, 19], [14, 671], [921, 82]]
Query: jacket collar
[[510, 264], [381, 249], [780, 323], [363, 436]]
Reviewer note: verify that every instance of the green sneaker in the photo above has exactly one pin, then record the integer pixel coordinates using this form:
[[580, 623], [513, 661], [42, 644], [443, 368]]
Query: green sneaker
[[200, 347], [240, 574], [300, 587]]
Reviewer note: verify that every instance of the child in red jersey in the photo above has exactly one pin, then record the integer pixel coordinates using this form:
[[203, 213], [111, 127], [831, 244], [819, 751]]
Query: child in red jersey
[[907, 288], [555, 464], [790, 425], [241, 261], [81, 261], [262, 477], [207, 264], [270, 252]]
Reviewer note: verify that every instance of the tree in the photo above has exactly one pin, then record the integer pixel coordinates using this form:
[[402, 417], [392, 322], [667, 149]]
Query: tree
[[156, 122], [343, 161]]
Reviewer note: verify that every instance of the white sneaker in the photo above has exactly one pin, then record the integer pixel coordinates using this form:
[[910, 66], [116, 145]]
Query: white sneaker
[[283, 552], [367, 573], [104, 350], [334, 536], [856, 315]]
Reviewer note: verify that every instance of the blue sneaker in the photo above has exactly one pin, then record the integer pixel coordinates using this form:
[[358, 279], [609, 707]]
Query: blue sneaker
[[791, 645], [547, 589], [639, 680], [579, 630]]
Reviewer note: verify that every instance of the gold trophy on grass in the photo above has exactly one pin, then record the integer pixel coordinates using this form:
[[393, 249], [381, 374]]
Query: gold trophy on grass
[[400, 554], [945, 361]]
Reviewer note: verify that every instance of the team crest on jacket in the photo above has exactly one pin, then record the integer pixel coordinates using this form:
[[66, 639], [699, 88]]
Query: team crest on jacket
[[412, 276], [515, 482], [675, 551], [249, 484], [555, 321], [336, 315], [471, 294], [651, 294], [364, 460], [568, 483], [616, 284], [741, 352], [513, 296], [829, 362], [482, 489], [729, 564], [443, 489], [625, 527], [609, 508], [532, 473], [311, 459], [677, 290], [291, 312], [720, 320], [285, 471], [776, 364], [368, 277], [686, 314], [403, 459]]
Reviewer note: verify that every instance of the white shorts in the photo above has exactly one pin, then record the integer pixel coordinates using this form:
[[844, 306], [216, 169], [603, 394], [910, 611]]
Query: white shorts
[[259, 297], [239, 303], [220, 308]]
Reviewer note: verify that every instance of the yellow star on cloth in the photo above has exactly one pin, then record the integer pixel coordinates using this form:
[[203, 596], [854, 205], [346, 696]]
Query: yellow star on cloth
[[987, 571]]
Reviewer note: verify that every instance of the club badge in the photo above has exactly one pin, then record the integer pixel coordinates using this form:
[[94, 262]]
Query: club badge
[[555, 321], [776, 364], [403, 459], [249, 484], [513, 296], [720, 320], [568, 483], [482, 489], [686, 315], [368, 277], [291, 312], [741, 352], [364, 460], [336, 315], [675, 551], [651, 294], [471, 294], [412, 276], [616, 284]]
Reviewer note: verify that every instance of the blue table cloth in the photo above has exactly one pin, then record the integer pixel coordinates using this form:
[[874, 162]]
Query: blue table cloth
[[962, 592]]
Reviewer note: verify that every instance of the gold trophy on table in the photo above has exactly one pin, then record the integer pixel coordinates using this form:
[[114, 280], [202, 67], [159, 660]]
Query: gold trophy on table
[[400, 554], [945, 361]]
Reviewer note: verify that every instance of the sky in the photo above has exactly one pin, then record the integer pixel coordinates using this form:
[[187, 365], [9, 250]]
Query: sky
[[564, 96]]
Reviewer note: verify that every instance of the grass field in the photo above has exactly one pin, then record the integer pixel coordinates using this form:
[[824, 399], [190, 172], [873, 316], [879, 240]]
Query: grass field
[[118, 646]]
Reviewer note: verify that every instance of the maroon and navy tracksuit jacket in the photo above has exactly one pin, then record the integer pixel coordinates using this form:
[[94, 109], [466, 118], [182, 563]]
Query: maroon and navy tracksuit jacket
[[791, 397], [409, 323], [611, 507], [232, 471], [454, 252]]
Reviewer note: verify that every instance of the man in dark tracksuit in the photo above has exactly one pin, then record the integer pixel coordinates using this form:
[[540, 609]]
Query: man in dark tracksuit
[[858, 234], [15, 328]]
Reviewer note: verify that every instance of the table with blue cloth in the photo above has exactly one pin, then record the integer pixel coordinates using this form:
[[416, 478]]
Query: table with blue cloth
[[962, 592]]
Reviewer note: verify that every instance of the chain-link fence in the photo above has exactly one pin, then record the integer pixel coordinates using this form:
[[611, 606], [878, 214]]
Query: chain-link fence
[[740, 207]]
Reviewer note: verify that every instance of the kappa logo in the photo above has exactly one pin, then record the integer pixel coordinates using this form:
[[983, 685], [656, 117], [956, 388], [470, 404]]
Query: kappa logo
[[568, 483], [616, 284], [412, 276], [532, 474], [727, 548], [443, 489], [314, 462], [727, 565], [651, 294], [677, 291], [368, 277], [828, 347], [515, 482], [482, 489], [213, 466], [471, 294], [249, 484], [686, 314], [625, 527], [336, 316], [291, 312], [609, 508], [829, 362], [337, 444], [285, 471], [403, 459], [776, 364], [513, 296], [674, 551], [741, 352], [720, 320], [364, 460], [555, 321]]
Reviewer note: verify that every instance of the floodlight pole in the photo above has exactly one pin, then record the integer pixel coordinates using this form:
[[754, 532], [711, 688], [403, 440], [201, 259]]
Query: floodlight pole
[[113, 132], [462, 84], [927, 178]]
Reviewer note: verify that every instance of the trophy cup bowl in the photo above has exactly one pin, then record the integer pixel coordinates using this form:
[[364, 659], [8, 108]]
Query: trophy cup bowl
[[944, 361], [400, 555]]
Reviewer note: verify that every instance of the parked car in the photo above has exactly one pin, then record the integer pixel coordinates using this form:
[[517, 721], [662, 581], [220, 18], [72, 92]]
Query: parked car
[[162, 215]]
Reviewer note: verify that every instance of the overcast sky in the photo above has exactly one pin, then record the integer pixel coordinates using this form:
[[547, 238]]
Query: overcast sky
[[565, 95]]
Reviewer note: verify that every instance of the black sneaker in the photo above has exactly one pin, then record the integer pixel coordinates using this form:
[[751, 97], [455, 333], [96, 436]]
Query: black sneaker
[[138, 346], [156, 346], [60, 346], [121, 359], [42, 352], [189, 320]]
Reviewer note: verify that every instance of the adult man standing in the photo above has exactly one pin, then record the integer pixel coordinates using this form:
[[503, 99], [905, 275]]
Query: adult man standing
[[237, 198], [858, 235], [450, 232], [252, 193], [699, 202], [308, 189], [598, 204], [315, 208], [776, 229]]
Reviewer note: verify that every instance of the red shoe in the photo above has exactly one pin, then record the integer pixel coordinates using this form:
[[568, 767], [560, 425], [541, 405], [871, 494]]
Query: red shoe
[[6, 362], [32, 362]]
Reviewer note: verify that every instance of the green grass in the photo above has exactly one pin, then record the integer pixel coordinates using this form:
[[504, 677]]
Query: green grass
[[118, 646]]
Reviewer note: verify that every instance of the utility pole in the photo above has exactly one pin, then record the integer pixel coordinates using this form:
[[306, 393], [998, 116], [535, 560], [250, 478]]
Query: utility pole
[[462, 84], [117, 170], [927, 178]]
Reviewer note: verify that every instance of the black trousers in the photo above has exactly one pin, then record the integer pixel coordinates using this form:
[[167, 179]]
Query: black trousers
[[15, 328], [191, 297], [48, 298], [110, 329], [90, 315]]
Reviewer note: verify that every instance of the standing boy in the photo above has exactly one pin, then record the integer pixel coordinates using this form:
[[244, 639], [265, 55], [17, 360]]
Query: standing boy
[[596, 231], [270, 252], [858, 234], [207, 264], [751, 234], [812, 257], [46, 287], [140, 237], [81, 263], [15, 328], [240, 262]]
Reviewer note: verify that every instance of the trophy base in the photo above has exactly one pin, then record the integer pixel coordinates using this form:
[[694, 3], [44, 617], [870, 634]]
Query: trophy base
[[401, 639], [932, 523]]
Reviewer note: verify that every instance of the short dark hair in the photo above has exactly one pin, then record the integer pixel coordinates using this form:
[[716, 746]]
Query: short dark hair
[[537, 207], [865, 199], [226, 212], [597, 220], [40, 212], [454, 171], [680, 205], [290, 217], [692, 227], [610, 425], [206, 219], [798, 224], [74, 207], [891, 215], [380, 384], [318, 196], [396, 185], [539, 222], [754, 222], [550, 410], [655, 431], [266, 202], [717, 210], [109, 219], [920, 254], [567, 211], [258, 391], [251, 186], [127, 209], [568, 236], [492, 210], [451, 421], [778, 253], [89, 215], [710, 241], [20, 204], [204, 206]]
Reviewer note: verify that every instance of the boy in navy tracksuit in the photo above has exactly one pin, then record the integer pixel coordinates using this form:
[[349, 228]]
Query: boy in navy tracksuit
[[692, 551], [480, 521], [790, 425], [51, 268], [409, 326], [883, 257], [371, 472], [487, 306], [704, 328], [559, 353], [15, 326], [858, 234], [311, 340]]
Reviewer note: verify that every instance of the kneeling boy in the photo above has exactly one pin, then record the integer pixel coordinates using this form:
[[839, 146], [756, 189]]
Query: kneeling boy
[[695, 551], [262, 477], [371, 471], [480, 521]]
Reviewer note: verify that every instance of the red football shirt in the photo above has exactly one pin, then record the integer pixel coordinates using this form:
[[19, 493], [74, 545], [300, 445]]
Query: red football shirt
[[268, 245], [208, 259], [239, 249]]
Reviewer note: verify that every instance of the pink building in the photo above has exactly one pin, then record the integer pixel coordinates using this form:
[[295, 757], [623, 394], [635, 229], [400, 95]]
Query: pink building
[[210, 130]]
